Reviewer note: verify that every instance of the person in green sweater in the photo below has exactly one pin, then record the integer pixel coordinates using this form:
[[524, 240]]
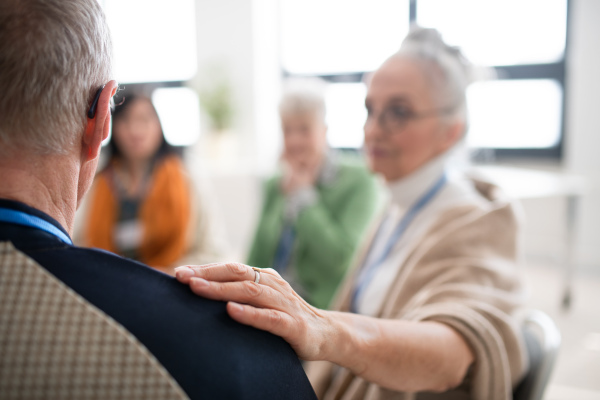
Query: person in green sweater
[[316, 209]]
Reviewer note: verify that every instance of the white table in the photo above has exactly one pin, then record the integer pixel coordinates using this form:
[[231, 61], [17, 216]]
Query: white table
[[523, 183]]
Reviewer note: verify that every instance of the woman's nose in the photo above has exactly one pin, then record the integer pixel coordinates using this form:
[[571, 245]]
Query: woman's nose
[[372, 128]]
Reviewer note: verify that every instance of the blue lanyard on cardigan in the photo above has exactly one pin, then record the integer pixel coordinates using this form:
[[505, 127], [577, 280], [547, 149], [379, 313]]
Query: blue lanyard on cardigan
[[285, 248], [21, 218], [368, 273]]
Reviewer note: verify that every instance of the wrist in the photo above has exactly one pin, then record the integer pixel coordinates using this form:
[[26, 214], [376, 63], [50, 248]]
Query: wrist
[[335, 343], [352, 336]]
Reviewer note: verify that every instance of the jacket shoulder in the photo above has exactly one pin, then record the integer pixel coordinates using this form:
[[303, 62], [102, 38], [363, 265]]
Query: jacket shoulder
[[209, 354]]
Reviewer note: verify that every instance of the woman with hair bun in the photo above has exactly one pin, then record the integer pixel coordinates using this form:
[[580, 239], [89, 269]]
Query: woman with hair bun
[[429, 309]]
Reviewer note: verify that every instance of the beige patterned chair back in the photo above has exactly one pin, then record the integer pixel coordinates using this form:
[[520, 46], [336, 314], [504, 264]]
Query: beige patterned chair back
[[56, 345]]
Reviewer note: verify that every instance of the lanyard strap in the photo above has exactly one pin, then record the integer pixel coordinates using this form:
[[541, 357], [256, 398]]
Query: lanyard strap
[[21, 218], [368, 272], [285, 248]]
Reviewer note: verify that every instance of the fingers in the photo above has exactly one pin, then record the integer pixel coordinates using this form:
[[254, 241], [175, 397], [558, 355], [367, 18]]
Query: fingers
[[218, 272], [270, 277], [246, 292], [270, 271], [276, 322]]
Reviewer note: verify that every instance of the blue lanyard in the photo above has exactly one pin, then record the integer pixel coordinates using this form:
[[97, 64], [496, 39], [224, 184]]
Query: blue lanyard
[[21, 218], [284, 250], [368, 272]]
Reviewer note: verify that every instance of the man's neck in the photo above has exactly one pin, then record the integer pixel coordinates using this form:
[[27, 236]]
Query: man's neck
[[48, 184]]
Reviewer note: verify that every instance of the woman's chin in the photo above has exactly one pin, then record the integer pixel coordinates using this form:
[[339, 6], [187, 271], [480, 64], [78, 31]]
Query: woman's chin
[[380, 170], [389, 172]]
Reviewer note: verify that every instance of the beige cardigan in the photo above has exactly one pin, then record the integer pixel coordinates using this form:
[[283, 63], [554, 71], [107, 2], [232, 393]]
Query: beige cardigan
[[462, 272]]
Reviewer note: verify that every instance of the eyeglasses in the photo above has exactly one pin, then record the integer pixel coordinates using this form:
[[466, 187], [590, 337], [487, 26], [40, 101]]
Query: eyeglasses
[[395, 118], [92, 110]]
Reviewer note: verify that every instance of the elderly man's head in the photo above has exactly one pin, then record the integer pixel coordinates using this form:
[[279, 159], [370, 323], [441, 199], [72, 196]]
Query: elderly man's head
[[302, 113], [54, 55]]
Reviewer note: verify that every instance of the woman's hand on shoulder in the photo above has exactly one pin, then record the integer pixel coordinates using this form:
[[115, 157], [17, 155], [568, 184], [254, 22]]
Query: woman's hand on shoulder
[[270, 305]]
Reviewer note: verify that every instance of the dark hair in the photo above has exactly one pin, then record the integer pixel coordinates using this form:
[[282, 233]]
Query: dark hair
[[120, 112]]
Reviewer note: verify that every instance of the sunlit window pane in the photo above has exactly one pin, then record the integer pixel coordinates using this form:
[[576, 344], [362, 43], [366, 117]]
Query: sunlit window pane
[[179, 113], [515, 114], [336, 36], [506, 32], [346, 114], [153, 40]]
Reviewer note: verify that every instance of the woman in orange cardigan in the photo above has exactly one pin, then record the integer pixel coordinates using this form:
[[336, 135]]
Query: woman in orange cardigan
[[140, 205]]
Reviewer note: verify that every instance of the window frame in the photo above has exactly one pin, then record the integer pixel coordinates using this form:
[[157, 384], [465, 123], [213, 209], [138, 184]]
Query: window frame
[[555, 71], [147, 88]]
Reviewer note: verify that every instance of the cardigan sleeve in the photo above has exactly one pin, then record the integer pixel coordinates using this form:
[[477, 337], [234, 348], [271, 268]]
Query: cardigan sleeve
[[471, 283], [463, 273]]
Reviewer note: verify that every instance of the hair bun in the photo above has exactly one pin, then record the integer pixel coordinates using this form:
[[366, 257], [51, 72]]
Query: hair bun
[[425, 38], [428, 43]]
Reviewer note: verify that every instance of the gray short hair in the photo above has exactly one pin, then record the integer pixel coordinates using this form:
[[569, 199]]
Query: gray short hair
[[54, 55], [303, 97], [447, 70]]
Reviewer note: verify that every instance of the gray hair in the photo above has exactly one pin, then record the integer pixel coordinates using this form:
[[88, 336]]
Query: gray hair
[[54, 56], [447, 70], [303, 97]]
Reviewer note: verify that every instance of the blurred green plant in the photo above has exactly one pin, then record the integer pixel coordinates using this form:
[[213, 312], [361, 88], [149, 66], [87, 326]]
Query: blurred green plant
[[217, 101]]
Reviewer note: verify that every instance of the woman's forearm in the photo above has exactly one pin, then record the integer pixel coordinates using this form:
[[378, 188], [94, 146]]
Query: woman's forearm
[[396, 354], [399, 355]]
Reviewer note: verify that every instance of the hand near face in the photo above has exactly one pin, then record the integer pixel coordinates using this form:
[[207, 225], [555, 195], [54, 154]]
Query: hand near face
[[270, 305], [298, 174], [304, 146]]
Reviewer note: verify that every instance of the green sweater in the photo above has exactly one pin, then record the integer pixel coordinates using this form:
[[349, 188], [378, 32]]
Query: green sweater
[[327, 232]]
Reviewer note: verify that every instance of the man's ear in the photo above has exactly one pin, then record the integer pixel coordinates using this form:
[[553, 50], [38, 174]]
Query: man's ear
[[96, 129]]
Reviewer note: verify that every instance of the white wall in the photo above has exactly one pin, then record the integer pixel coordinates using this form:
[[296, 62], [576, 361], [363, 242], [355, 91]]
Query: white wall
[[239, 36], [224, 37], [583, 123], [544, 236]]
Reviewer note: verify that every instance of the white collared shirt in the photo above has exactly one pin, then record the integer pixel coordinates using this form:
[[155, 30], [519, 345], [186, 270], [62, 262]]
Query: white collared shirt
[[403, 194]]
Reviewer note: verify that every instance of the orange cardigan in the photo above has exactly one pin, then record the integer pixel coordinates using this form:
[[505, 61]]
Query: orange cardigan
[[165, 215]]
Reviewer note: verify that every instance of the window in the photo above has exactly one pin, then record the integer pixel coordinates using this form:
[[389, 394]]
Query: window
[[513, 114], [519, 114], [525, 40], [340, 36], [153, 40], [346, 114], [154, 46], [506, 32], [179, 113]]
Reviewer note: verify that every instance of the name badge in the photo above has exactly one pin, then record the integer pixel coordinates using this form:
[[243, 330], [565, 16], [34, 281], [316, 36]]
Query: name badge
[[128, 235]]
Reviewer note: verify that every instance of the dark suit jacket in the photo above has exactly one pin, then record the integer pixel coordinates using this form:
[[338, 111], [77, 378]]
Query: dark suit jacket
[[209, 355]]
